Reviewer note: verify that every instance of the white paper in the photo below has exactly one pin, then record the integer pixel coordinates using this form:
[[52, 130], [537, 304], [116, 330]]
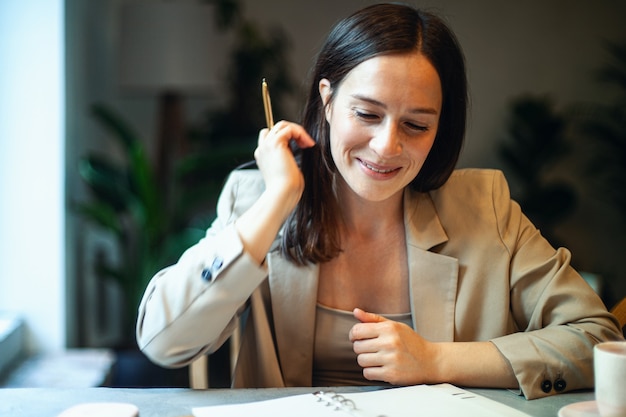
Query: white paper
[[442, 400]]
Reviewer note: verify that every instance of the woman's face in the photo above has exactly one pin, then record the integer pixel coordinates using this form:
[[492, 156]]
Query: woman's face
[[383, 122]]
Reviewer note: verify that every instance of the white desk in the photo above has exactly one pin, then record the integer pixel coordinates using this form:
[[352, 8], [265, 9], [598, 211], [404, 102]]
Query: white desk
[[176, 402]]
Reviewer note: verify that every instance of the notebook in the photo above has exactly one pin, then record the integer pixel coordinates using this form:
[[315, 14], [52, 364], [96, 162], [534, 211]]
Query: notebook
[[441, 400]]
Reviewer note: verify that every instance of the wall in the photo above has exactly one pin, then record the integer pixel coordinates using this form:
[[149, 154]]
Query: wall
[[32, 160], [511, 48]]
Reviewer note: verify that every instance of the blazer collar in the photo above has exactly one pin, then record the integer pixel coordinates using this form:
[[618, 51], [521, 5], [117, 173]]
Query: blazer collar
[[422, 224]]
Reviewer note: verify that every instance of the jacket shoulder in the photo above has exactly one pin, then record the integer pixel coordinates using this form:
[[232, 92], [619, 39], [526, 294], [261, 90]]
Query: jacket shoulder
[[241, 190], [476, 177], [473, 185], [481, 195]]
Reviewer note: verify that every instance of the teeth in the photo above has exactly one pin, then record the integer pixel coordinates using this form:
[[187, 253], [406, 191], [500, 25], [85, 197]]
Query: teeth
[[380, 171]]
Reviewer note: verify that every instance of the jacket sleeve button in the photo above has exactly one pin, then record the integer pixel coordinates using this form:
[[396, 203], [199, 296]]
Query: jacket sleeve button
[[559, 384], [207, 275], [217, 264], [546, 386]]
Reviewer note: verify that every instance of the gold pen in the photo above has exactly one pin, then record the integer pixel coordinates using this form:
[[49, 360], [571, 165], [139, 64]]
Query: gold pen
[[267, 104]]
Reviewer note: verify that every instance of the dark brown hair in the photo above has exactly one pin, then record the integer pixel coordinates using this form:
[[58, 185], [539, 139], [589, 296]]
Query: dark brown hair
[[311, 233]]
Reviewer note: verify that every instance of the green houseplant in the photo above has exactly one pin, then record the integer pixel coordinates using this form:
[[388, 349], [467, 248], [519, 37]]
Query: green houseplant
[[535, 142], [604, 127], [601, 136], [229, 133], [126, 203]]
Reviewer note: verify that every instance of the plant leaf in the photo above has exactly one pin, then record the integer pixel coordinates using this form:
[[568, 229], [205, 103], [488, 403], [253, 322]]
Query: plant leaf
[[101, 214], [108, 182]]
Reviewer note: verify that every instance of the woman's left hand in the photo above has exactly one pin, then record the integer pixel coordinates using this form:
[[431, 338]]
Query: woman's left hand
[[391, 351]]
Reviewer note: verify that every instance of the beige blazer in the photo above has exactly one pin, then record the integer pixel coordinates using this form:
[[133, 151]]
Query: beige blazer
[[478, 269]]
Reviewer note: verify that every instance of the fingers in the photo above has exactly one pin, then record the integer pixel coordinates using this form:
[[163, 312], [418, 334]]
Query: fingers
[[363, 330], [360, 331], [372, 349], [388, 350], [365, 317], [368, 360], [284, 132]]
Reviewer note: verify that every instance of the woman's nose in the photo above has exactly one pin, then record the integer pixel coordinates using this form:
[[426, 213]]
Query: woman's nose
[[386, 142]]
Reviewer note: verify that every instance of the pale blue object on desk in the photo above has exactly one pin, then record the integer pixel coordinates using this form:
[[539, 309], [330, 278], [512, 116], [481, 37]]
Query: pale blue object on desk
[[178, 402]]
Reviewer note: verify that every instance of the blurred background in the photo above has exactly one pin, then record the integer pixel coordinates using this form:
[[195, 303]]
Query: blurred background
[[119, 120]]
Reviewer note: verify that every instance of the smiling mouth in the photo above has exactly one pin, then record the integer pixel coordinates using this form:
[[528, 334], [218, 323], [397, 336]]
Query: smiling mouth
[[377, 170]]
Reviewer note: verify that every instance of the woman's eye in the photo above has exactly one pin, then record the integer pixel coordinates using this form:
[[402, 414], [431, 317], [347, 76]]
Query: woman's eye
[[417, 127], [365, 116]]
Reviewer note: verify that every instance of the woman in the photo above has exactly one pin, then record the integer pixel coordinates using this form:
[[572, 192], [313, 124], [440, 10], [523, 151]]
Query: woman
[[365, 258]]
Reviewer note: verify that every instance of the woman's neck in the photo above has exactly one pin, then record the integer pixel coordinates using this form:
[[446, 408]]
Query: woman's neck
[[365, 218]]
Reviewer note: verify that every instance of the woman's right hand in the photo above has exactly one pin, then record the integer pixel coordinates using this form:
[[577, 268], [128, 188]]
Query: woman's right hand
[[282, 176], [284, 184]]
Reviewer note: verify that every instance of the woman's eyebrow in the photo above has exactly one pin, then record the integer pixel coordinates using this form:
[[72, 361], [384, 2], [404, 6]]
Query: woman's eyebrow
[[427, 110]]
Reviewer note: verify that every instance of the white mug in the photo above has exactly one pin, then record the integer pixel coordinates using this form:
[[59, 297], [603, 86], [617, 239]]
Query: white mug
[[609, 360]]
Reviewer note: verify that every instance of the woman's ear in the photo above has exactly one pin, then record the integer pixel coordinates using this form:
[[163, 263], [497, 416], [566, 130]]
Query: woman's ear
[[325, 93]]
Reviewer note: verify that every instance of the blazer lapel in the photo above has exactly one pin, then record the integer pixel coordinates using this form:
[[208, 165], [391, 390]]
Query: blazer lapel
[[432, 277], [294, 296]]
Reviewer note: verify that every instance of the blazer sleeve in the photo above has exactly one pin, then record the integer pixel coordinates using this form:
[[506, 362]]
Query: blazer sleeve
[[559, 317], [191, 307]]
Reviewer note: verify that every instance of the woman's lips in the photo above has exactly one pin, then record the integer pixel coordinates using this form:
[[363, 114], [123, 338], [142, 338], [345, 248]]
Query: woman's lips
[[377, 168]]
